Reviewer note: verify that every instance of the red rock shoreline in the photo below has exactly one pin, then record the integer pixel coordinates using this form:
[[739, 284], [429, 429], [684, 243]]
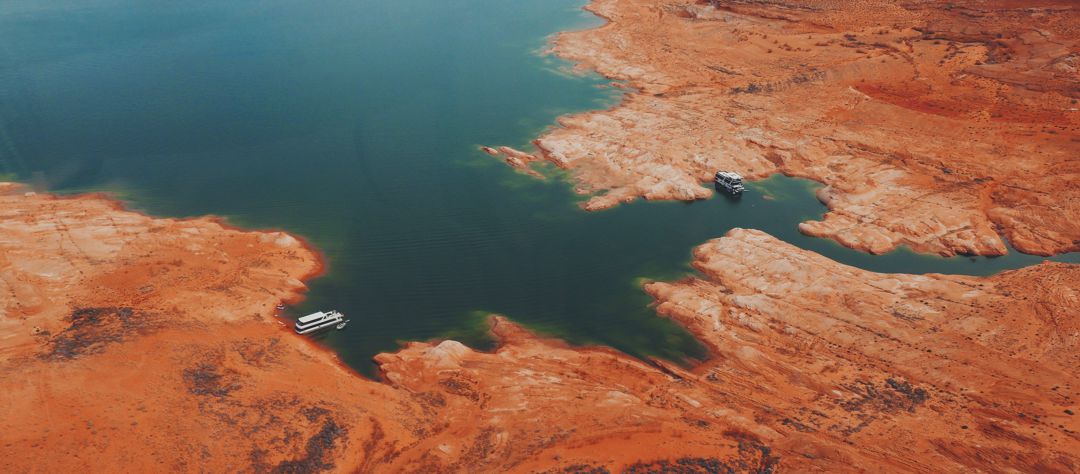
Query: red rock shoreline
[[120, 330], [974, 146], [180, 371]]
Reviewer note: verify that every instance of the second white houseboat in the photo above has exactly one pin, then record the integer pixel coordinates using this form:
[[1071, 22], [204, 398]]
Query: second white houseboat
[[319, 321]]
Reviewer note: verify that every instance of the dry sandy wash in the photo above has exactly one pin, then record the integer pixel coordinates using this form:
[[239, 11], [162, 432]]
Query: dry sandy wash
[[933, 124], [140, 344]]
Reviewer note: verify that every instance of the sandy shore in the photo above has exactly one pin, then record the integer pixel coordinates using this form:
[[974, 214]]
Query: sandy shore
[[933, 125]]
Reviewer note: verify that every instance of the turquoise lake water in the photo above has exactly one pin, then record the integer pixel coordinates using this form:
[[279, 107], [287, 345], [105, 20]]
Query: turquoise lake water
[[356, 124]]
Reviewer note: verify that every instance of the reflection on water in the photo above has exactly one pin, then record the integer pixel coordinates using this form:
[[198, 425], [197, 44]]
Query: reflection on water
[[355, 123]]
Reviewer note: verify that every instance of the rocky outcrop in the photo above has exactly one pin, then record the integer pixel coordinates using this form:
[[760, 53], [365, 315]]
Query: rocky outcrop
[[815, 366], [536, 405], [923, 373], [133, 343], [933, 125]]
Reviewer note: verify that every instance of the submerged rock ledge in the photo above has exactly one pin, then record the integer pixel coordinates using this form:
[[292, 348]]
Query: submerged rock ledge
[[149, 344]]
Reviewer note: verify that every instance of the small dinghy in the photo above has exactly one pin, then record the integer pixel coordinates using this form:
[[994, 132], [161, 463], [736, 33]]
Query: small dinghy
[[319, 321]]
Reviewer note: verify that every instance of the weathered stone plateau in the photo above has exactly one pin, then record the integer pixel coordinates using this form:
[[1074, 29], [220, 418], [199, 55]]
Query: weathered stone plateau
[[934, 125]]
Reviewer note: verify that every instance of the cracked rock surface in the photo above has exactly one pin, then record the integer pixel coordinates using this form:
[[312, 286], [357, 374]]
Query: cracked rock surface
[[936, 125]]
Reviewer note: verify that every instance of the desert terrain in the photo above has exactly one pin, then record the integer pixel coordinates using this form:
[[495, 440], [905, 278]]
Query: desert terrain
[[150, 344], [940, 126]]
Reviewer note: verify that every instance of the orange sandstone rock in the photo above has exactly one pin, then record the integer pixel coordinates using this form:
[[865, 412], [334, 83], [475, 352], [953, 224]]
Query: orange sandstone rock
[[536, 405], [934, 125], [133, 343], [887, 372], [816, 366]]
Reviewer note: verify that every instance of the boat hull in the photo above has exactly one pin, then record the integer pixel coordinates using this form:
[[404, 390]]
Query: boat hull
[[333, 320], [318, 327], [733, 191]]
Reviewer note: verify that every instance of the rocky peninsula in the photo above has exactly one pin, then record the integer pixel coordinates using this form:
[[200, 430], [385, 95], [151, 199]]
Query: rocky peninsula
[[934, 125], [125, 331]]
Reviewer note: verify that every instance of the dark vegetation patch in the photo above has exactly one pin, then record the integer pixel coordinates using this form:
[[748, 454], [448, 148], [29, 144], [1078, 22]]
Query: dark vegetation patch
[[318, 450], [257, 458], [314, 413], [277, 427], [696, 422], [434, 399], [284, 432], [210, 379], [916, 396], [482, 448], [696, 465], [779, 6], [769, 87], [460, 385], [754, 457], [580, 469], [871, 401], [92, 329], [891, 397], [258, 353], [681, 466], [798, 425], [372, 457]]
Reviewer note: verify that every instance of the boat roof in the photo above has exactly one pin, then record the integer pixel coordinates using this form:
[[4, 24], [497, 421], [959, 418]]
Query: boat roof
[[312, 317], [729, 174]]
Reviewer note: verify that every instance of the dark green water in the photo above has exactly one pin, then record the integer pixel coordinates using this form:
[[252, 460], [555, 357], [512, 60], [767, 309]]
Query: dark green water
[[355, 123]]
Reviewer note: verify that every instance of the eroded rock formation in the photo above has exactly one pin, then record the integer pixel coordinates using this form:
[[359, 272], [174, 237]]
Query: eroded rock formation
[[925, 373], [148, 344], [934, 124], [133, 343], [140, 344]]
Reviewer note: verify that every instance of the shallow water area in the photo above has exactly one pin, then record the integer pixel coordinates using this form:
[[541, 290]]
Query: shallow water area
[[356, 124]]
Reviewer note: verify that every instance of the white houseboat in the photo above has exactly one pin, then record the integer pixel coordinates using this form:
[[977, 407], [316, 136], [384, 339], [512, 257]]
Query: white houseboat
[[729, 182], [319, 321]]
